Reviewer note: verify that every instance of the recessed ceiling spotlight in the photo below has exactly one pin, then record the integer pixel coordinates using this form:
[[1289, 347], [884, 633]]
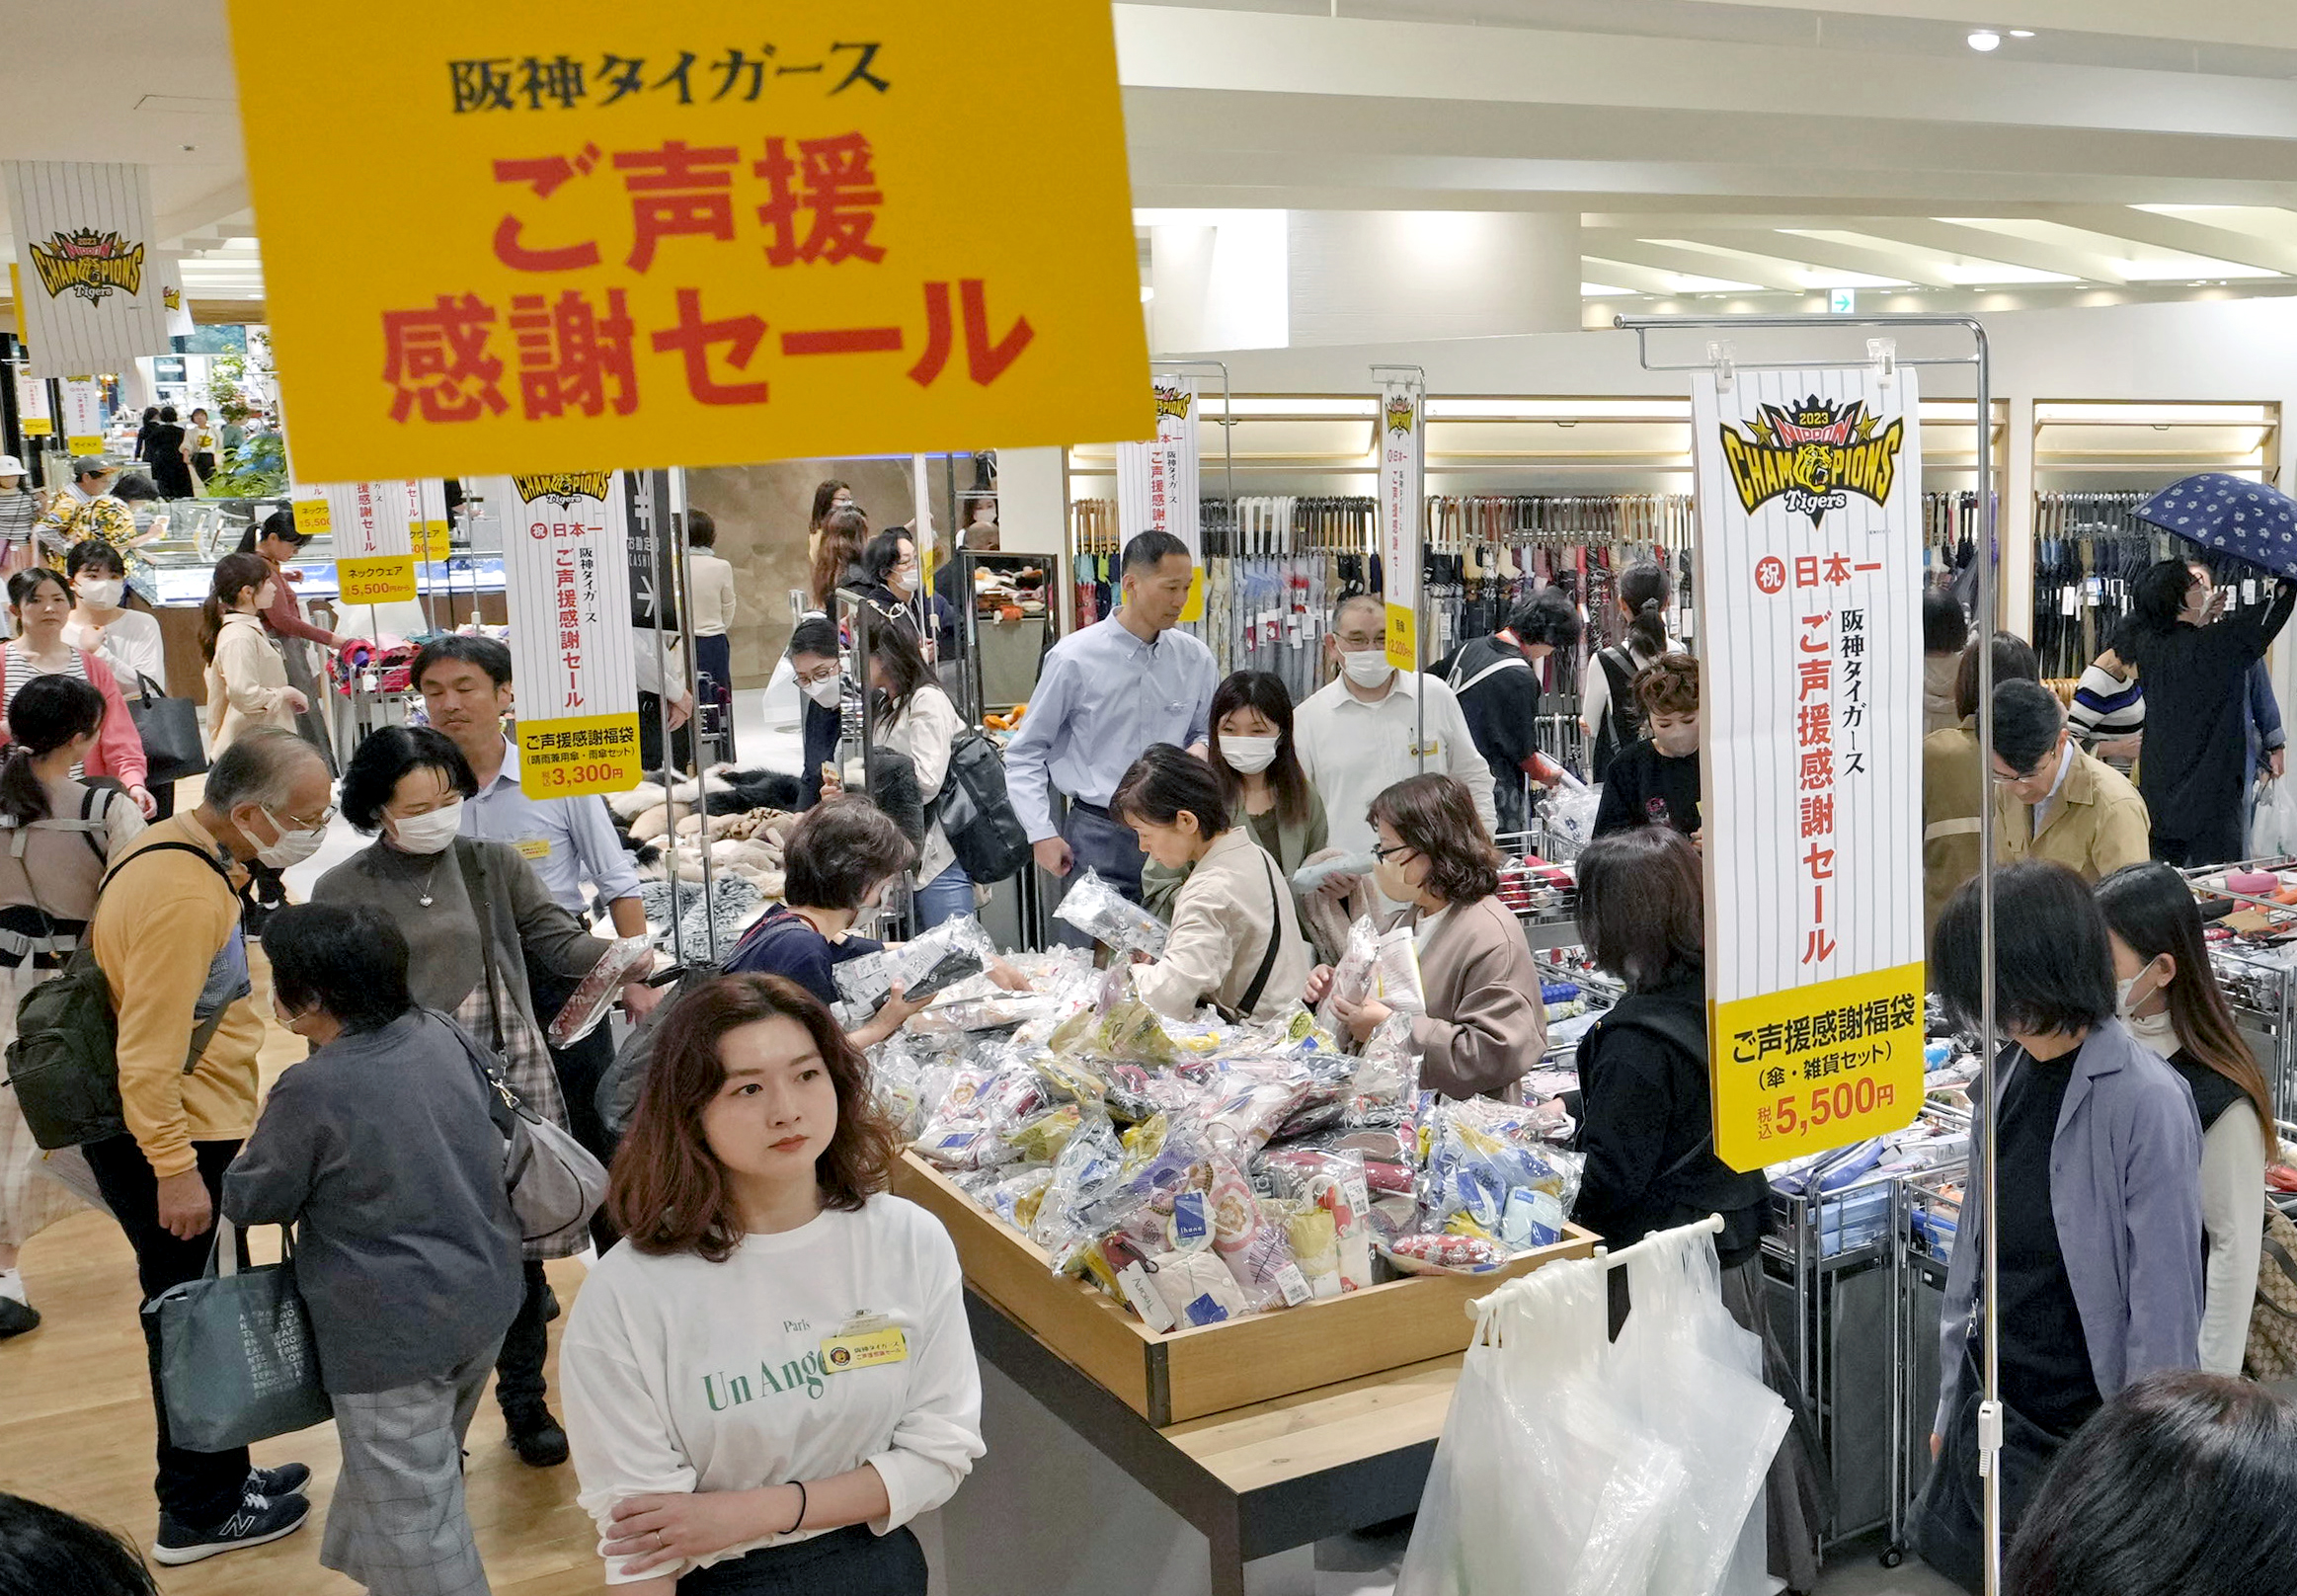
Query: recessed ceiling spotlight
[[1985, 38]]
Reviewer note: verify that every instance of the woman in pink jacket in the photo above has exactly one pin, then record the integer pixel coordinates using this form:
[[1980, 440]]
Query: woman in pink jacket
[[41, 603]]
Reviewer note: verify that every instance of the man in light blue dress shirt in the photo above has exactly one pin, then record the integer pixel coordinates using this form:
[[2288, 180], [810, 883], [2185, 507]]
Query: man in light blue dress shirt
[[1105, 693], [465, 682]]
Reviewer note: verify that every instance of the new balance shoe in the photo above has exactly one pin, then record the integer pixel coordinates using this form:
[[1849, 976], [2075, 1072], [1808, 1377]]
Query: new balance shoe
[[285, 1480], [260, 1519]]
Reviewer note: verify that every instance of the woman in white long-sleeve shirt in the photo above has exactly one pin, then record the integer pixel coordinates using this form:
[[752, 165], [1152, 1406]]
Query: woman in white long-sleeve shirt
[[1608, 712], [772, 1374], [914, 717], [2171, 1002]]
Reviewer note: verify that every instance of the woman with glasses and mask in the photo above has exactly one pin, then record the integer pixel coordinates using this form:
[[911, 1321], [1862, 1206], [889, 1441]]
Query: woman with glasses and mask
[[1656, 783], [475, 917], [2168, 995], [812, 656], [893, 580], [1484, 1024]]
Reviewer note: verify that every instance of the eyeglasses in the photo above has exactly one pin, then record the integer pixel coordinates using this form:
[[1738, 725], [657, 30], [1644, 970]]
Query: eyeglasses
[[296, 822], [1383, 853]]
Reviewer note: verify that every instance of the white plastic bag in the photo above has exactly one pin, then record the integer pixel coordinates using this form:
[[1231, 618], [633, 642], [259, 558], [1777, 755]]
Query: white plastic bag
[[1542, 1481], [2274, 819]]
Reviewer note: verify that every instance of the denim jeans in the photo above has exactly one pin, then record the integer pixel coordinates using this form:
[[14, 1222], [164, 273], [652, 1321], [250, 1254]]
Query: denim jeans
[[945, 897]]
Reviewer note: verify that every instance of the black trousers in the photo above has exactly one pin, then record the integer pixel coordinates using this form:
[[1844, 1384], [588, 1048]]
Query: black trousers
[[842, 1563], [1109, 849], [200, 1489], [518, 1382], [2220, 842], [681, 740]]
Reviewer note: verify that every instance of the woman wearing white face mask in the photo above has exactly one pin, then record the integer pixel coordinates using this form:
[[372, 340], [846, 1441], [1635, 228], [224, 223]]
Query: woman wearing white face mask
[[475, 919], [1656, 783], [1258, 769], [247, 678], [814, 662], [889, 563], [2168, 995]]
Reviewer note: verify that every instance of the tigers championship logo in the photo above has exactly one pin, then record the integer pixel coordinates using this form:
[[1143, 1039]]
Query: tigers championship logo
[[1173, 402], [562, 488], [1814, 455], [89, 263], [1400, 414]]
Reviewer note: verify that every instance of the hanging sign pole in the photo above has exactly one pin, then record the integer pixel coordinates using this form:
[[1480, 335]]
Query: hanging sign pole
[[1402, 428]]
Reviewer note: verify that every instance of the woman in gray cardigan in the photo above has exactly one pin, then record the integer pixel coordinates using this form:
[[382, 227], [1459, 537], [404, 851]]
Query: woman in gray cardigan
[[474, 916], [1485, 1025], [2098, 1155], [379, 1150]]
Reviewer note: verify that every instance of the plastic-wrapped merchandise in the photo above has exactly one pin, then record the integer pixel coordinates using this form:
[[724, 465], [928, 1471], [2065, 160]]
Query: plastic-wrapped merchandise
[[1096, 908], [1090, 1161], [1195, 1288], [1309, 877], [1396, 973], [921, 967], [1476, 1184], [1315, 1235], [896, 1077], [1443, 1255], [1353, 976], [1333, 1184], [1014, 1195], [1040, 1139], [1254, 1244], [1386, 1077]]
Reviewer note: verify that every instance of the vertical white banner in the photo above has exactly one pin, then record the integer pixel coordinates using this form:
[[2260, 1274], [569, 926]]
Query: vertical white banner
[[175, 304], [1809, 618], [90, 284], [32, 412], [373, 559], [1159, 482], [566, 573], [1403, 425], [428, 530], [83, 416]]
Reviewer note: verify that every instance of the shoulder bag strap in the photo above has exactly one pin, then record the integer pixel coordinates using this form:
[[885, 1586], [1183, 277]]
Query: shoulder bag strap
[[1251, 998], [95, 807], [474, 881], [204, 1032]]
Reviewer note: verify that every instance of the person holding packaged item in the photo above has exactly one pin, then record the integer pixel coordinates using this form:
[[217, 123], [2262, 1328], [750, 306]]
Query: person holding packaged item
[[1646, 1126], [1485, 1024], [2195, 673], [1257, 766], [2053, 801], [914, 718], [247, 678], [1104, 695], [837, 862], [2099, 1160], [2168, 995], [167, 937], [1954, 781], [773, 1374], [1607, 711], [1355, 733], [1657, 782], [1235, 940], [378, 1148], [2180, 1488], [41, 607], [465, 682], [1497, 682], [476, 918], [69, 834], [812, 656]]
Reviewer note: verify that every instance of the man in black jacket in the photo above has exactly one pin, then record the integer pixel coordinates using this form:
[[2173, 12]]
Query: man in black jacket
[[1499, 694]]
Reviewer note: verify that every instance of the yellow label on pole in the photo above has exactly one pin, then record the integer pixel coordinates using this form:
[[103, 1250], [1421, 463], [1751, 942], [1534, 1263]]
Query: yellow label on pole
[[1194, 609], [376, 578], [430, 538], [84, 444], [16, 298], [314, 517], [38, 426], [1817, 1067], [560, 758], [679, 235], [1402, 638]]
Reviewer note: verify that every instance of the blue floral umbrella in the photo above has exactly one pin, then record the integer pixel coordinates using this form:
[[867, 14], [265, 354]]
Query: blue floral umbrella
[[2229, 515]]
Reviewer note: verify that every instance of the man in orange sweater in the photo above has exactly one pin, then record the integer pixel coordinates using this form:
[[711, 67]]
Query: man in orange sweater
[[167, 935]]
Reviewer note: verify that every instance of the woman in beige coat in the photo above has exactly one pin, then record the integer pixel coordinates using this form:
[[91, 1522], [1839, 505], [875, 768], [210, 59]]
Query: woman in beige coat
[[247, 679], [1485, 1025], [1235, 940]]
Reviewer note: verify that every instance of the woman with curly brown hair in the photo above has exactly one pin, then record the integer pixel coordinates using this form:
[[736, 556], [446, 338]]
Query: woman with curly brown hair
[[1656, 783], [772, 1374]]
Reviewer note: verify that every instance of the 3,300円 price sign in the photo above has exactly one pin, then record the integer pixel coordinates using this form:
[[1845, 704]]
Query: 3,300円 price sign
[[526, 237], [1811, 627]]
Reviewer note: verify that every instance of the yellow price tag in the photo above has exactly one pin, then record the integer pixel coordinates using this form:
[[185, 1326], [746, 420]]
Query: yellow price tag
[[85, 443], [1402, 638], [313, 516], [560, 758], [431, 541], [1813, 1068], [1194, 609], [848, 1351], [375, 579], [38, 426]]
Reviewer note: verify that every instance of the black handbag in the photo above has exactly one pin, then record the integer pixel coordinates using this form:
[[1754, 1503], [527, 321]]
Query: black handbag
[[169, 729], [976, 816]]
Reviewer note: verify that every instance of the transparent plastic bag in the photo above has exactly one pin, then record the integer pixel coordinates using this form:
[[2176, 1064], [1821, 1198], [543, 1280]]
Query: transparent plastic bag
[[1352, 976], [1096, 908], [939, 958]]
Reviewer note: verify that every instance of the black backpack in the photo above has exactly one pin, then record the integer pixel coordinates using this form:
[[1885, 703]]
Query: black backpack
[[985, 834], [64, 1064], [1623, 720]]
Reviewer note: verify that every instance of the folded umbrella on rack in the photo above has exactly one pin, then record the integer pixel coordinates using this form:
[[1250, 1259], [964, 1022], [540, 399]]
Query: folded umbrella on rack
[[2231, 516]]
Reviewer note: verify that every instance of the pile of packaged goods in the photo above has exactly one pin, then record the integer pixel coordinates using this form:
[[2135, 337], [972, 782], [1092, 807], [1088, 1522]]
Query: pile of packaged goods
[[1201, 1169]]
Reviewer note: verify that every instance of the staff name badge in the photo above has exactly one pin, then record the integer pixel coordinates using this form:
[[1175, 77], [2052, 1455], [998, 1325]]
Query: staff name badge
[[864, 1341], [534, 847]]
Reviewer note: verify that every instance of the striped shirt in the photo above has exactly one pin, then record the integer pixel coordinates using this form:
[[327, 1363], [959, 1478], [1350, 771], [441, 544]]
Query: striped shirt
[[2105, 708]]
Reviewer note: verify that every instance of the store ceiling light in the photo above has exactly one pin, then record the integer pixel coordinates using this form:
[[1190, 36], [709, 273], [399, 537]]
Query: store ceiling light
[[1985, 38], [2022, 33]]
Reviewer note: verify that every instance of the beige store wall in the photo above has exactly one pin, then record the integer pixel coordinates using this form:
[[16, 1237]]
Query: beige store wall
[[762, 512]]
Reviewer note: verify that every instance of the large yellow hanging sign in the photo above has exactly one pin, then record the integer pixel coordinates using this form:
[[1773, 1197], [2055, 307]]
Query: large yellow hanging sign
[[686, 233]]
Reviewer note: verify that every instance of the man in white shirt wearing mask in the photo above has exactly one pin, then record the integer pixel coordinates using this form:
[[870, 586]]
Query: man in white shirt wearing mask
[[1355, 735]]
